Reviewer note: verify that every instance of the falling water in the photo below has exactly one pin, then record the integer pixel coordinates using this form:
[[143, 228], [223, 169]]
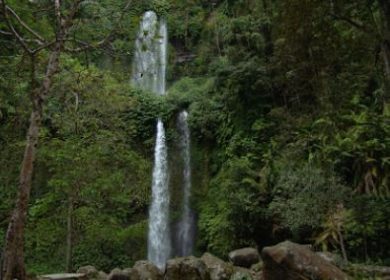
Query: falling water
[[149, 64], [186, 228], [149, 74], [159, 246]]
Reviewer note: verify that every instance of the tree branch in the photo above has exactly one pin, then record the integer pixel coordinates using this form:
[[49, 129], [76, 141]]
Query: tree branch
[[43, 46], [5, 9], [6, 33], [19, 38], [22, 23], [87, 46]]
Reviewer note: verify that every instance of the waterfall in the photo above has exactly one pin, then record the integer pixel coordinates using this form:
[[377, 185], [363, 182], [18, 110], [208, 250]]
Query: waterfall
[[186, 224], [149, 68], [159, 246], [149, 62]]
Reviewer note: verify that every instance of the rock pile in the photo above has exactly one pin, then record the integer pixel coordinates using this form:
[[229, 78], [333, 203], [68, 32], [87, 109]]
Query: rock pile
[[285, 261]]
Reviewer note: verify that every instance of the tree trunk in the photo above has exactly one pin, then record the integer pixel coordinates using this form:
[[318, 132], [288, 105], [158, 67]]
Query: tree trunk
[[13, 266], [13, 256]]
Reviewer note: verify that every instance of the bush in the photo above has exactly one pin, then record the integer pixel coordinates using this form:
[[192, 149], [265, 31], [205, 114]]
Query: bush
[[304, 195]]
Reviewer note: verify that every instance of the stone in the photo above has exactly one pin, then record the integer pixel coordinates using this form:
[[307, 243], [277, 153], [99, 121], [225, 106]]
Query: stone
[[102, 275], [288, 260], [257, 267], [90, 271], [244, 257], [333, 259], [144, 270], [118, 274], [219, 270], [239, 275], [188, 268]]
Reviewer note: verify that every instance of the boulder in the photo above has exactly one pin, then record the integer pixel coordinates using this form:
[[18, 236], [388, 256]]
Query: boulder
[[144, 270], [90, 271], [118, 274], [188, 268], [239, 275], [128, 271], [244, 257], [257, 270], [242, 273], [102, 275], [257, 267], [288, 260], [333, 259], [219, 270]]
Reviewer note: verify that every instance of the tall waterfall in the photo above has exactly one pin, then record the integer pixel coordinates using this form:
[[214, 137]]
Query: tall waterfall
[[186, 224], [159, 245], [149, 73], [149, 64]]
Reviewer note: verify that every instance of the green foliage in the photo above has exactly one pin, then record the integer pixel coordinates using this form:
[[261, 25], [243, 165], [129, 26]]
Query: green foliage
[[232, 210], [303, 196], [366, 224], [360, 148], [187, 91]]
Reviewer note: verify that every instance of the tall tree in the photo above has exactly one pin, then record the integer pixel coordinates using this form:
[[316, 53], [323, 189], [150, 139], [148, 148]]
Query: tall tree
[[66, 17], [13, 256]]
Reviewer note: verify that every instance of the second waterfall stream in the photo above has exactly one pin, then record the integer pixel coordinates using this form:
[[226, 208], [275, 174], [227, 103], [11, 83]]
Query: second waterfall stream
[[149, 73], [185, 234]]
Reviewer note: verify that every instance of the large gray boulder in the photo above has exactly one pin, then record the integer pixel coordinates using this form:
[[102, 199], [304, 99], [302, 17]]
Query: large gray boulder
[[144, 270], [244, 257], [102, 276], [219, 270], [292, 261], [188, 268]]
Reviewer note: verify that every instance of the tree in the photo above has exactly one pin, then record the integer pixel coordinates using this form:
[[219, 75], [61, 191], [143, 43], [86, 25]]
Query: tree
[[13, 256], [32, 43]]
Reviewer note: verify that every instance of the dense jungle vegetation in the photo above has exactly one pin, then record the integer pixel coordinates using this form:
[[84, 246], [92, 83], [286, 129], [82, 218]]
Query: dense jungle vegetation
[[288, 105]]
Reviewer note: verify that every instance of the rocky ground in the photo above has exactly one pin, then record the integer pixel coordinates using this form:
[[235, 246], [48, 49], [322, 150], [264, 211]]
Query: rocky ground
[[285, 260]]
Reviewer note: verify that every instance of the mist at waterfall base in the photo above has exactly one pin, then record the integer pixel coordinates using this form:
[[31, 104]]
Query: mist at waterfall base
[[149, 68]]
